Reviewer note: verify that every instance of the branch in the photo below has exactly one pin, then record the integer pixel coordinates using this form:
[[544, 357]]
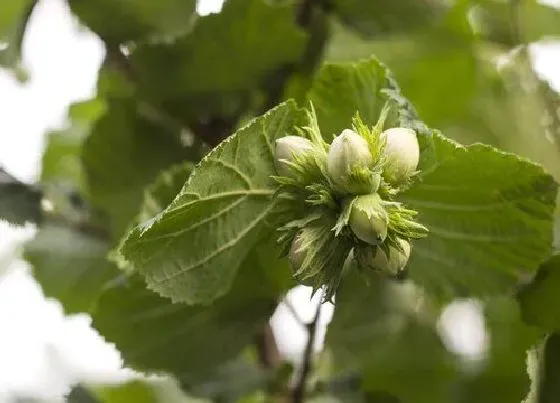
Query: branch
[[299, 391], [310, 16], [287, 303], [267, 350]]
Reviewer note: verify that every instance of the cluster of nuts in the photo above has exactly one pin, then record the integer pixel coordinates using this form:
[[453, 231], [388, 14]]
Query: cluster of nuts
[[363, 169]]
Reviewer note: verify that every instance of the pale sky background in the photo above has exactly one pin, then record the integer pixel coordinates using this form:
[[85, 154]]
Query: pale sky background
[[42, 352]]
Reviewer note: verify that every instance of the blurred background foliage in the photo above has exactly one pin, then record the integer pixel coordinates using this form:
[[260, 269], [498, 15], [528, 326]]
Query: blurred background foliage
[[174, 84]]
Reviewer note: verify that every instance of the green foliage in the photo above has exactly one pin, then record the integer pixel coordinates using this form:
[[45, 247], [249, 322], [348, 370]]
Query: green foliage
[[70, 264], [218, 216], [215, 69], [19, 202], [367, 19], [541, 294], [13, 21], [158, 203], [123, 141], [134, 20], [476, 217], [374, 331]]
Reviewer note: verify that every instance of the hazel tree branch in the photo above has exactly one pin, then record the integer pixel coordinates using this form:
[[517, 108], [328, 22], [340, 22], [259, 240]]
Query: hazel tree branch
[[298, 394]]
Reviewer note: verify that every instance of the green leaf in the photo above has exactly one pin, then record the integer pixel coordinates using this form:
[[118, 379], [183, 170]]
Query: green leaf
[[195, 340], [118, 21], [501, 377], [214, 68], [536, 21], [341, 89], [548, 373], [373, 330], [13, 22], [161, 193], [70, 265], [122, 155], [489, 213], [219, 377], [192, 251], [61, 163], [538, 299], [19, 202], [160, 390], [386, 16], [489, 216]]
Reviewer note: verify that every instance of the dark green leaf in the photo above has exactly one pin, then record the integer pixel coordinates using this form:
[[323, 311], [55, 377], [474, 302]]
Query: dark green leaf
[[212, 70], [539, 298], [122, 155], [19, 202], [501, 377], [195, 340], [548, 373], [372, 18], [373, 330], [191, 252], [161, 193], [70, 264], [535, 21], [489, 216], [118, 21]]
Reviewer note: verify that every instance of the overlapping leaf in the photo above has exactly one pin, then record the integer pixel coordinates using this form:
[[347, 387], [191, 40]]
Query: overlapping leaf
[[385, 17], [192, 251], [539, 298], [212, 70], [70, 265], [19, 202], [154, 334], [122, 155], [373, 331], [120, 21]]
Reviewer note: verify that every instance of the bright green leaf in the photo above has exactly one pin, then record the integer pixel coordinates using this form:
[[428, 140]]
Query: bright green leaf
[[118, 21], [489, 216], [191, 252], [214, 67], [13, 22], [70, 265]]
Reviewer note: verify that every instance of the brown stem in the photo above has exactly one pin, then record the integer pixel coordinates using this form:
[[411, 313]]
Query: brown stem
[[299, 391], [267, 349]]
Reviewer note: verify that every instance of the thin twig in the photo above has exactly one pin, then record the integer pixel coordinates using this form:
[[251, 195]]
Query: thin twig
[[288, 304], [267, 349], [299, 391]]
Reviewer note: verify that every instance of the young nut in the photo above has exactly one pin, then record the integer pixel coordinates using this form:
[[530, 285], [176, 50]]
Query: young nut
[[287, 148], [349, 153], [368, 219], [402, 154]]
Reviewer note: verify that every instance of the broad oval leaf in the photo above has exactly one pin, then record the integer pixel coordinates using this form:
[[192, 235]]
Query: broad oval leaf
[[490, 217], [191, 251]]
